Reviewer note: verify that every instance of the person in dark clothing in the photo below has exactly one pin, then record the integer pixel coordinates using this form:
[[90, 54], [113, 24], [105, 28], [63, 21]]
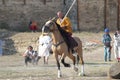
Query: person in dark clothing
[[107, 45]]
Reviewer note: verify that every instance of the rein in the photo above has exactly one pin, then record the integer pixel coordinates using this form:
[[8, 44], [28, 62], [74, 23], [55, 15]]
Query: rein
[[56, 45], [54, 30]]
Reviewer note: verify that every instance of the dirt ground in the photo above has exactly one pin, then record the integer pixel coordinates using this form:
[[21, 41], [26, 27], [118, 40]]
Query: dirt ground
[[12, 67]]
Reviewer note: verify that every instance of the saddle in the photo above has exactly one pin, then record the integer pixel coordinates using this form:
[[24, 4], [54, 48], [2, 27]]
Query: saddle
[[71, 42]]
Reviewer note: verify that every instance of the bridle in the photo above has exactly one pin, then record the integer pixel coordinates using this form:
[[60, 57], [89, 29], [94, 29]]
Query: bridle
[[59, 43], [54, 30]]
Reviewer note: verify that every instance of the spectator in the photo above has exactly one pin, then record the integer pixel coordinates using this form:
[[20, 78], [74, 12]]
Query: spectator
[[107, 45], [45, 43], [33, 26], [117, 45], [30, 24], [29, 55]]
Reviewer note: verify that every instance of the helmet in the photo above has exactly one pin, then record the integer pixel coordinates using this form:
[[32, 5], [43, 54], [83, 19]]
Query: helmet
[[106, 30]]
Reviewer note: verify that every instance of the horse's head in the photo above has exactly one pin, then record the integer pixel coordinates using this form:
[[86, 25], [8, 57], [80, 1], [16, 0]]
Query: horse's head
[[49, 26]]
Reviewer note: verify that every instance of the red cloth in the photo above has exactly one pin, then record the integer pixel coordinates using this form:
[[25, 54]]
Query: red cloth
[[118, 58], [33, 27]]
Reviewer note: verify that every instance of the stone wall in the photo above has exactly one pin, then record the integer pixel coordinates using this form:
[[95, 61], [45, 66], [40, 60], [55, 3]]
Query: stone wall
[[91, 14], [16, 16]]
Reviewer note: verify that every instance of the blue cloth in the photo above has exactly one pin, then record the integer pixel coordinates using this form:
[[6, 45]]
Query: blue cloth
[[1, 44]]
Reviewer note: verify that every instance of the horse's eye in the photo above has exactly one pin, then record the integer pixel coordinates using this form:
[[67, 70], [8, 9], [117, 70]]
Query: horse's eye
[[51, 24], [46, 26]]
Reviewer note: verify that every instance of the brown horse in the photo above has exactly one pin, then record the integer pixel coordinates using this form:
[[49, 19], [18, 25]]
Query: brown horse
[[60, 48]]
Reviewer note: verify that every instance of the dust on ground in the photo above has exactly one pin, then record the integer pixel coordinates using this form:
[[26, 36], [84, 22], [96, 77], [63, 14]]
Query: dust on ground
[[12, 67]]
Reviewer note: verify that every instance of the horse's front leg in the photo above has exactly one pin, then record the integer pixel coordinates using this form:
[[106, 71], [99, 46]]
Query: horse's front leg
[[63, 60], [58, 65]]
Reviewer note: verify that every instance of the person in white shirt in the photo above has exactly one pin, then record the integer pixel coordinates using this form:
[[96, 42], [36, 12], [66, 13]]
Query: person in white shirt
[[45, 43], [29, 55], [117, 45]]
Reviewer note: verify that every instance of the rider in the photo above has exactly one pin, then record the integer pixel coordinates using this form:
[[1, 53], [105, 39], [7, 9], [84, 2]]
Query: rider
[[64, 22], [66, 25]]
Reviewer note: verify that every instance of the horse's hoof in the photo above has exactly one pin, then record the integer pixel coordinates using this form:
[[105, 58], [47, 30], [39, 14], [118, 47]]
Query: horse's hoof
[[67, 65], [76, 69], [59, 76], [81, 74]]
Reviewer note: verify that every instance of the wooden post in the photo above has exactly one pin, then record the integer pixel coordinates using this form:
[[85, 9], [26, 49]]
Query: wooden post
[[118, 14], [64, 2], [24, 2], [3, 1], [78, 15], [105, 13], [44, 1]]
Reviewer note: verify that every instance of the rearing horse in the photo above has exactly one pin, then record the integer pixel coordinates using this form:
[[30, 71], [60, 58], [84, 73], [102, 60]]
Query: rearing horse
[[60, 47]]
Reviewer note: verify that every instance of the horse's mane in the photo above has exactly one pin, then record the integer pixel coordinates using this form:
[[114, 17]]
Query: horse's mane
[[64, 33]]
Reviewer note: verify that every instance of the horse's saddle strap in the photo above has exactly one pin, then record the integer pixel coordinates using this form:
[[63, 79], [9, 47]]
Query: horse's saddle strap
[[56, 45]]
